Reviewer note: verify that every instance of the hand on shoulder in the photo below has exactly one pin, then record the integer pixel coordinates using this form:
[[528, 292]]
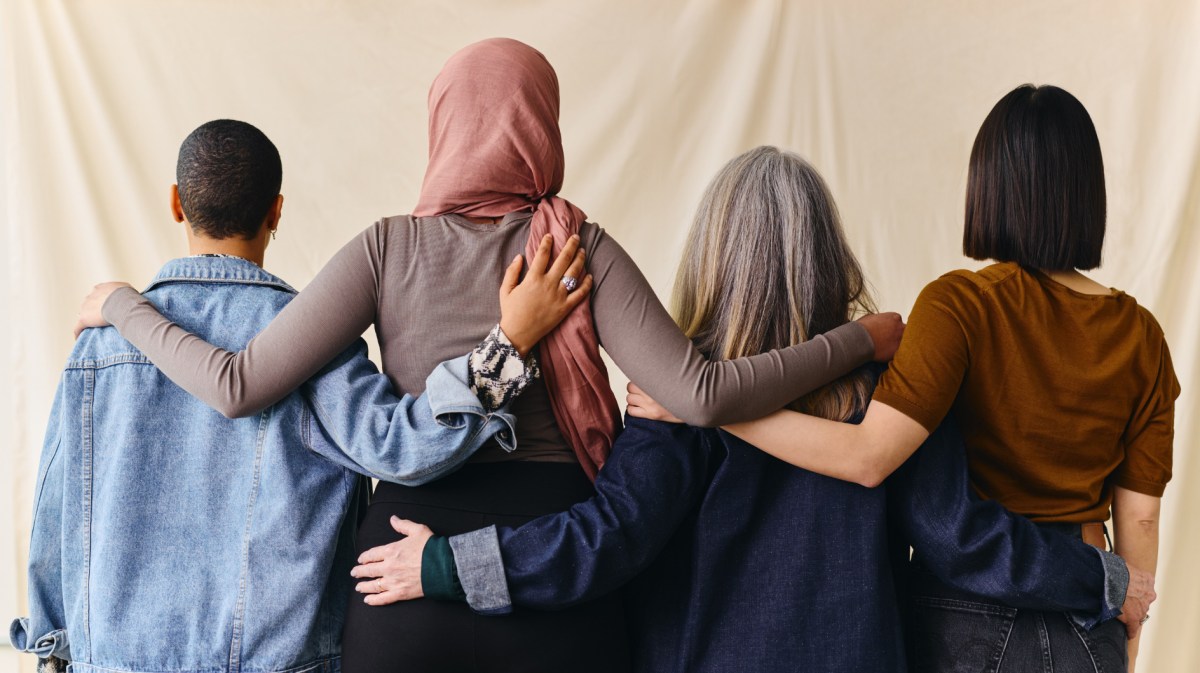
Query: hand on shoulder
[[531, 309], [886, 330], [91, 312]]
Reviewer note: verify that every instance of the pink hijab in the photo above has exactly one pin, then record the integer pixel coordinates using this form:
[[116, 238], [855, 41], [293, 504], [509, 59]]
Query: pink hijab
[[495, 148]]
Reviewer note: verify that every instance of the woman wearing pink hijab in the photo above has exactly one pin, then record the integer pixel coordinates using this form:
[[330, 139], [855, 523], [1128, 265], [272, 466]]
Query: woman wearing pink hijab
[[427, 282]]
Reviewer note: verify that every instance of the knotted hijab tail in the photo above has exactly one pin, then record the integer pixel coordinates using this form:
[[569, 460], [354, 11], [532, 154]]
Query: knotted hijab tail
[[580, 393]]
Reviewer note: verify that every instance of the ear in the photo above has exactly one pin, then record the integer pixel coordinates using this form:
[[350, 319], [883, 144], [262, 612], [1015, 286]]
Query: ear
[[274, 214], [176, 205]]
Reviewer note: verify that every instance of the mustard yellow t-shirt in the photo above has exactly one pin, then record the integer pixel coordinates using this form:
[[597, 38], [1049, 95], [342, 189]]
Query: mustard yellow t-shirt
[[1061, 395]]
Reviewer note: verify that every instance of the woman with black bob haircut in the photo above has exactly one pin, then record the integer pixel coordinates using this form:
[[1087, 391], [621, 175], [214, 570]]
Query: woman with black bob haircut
[[1063, 388]]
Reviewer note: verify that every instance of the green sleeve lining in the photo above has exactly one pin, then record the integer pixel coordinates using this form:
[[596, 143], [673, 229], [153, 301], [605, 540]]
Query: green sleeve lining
[[439, 575]]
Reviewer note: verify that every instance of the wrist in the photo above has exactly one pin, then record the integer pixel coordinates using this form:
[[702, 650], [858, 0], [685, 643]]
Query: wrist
[[118, 302], [1116, 584], [519, 341], [497, 372], [860, 341]]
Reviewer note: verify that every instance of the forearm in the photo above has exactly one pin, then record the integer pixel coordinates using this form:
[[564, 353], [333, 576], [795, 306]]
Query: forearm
[[44, 632], [497, 372], [1136, 529], [643, 340], [978, 546], [365, 426], [410, 439], [865, 453], [562, 559]]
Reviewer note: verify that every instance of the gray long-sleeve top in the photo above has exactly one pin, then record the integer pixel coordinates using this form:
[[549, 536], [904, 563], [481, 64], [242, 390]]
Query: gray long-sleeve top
[[429, 285]]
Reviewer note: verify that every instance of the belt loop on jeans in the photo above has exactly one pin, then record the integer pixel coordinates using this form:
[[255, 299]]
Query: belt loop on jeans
[[1095, 534]]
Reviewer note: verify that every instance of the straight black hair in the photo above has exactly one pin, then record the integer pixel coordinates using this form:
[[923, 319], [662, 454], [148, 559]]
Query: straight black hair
[[1035, 188], [229, 174]]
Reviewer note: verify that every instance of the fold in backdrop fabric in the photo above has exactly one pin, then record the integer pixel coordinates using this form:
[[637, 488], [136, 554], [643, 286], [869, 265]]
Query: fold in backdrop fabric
[[884, 98]]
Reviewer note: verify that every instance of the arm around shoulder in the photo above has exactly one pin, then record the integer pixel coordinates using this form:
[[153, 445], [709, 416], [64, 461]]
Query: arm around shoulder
[[655, 475], [334, 310], [405, 439], [640, 336]]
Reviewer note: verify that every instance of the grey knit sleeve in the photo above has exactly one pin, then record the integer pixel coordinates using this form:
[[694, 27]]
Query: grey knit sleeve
[[334, 310], [645, 343]]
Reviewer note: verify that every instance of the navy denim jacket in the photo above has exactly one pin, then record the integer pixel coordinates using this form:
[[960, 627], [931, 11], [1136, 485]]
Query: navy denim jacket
[[168, 538], [749, 564]]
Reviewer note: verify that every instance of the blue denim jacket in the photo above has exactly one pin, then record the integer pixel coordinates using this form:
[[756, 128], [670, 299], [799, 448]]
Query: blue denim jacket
[[744, 563], [170, 539]]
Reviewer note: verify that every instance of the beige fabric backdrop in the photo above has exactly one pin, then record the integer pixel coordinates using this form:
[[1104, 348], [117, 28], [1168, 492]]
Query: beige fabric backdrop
[[883, 97]]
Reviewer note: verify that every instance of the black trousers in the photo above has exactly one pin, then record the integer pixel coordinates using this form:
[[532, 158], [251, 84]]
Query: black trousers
[[428, 635]]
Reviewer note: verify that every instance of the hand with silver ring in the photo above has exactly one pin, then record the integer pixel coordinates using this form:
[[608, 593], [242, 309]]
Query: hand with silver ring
[[532, 308]]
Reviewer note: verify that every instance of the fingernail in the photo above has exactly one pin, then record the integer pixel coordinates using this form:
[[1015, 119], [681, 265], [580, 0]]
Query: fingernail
[[395, 519]]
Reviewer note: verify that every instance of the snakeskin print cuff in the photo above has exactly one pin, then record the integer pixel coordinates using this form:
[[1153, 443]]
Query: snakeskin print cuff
[[497, 371]]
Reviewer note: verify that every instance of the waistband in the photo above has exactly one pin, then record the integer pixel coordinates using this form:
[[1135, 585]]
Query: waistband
[[514, 488], [1093, 533]]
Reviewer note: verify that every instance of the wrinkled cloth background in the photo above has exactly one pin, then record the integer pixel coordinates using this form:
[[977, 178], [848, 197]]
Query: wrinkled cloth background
[[884, 98]]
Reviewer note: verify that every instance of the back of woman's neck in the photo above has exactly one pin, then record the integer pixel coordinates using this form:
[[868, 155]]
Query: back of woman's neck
[[1075, 280]]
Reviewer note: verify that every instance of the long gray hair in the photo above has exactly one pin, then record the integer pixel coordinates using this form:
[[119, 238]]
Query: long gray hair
[[767, 266]]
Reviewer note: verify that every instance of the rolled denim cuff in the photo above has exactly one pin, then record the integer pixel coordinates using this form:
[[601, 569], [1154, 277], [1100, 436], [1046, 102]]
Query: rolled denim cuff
[[504, 425], [1116, 585], [451, 398], [481, 571], [439, 578], [497, 372], [52, 644], [450, 394]]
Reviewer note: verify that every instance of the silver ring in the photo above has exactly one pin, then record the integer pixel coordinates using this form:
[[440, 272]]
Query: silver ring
[[570, 282]]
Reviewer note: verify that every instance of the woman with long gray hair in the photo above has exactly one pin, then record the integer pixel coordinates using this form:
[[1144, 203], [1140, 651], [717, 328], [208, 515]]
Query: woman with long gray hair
[[747, 564]]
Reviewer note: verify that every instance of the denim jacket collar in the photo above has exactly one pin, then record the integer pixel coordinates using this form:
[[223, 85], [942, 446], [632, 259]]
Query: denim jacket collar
[[216, 269]]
